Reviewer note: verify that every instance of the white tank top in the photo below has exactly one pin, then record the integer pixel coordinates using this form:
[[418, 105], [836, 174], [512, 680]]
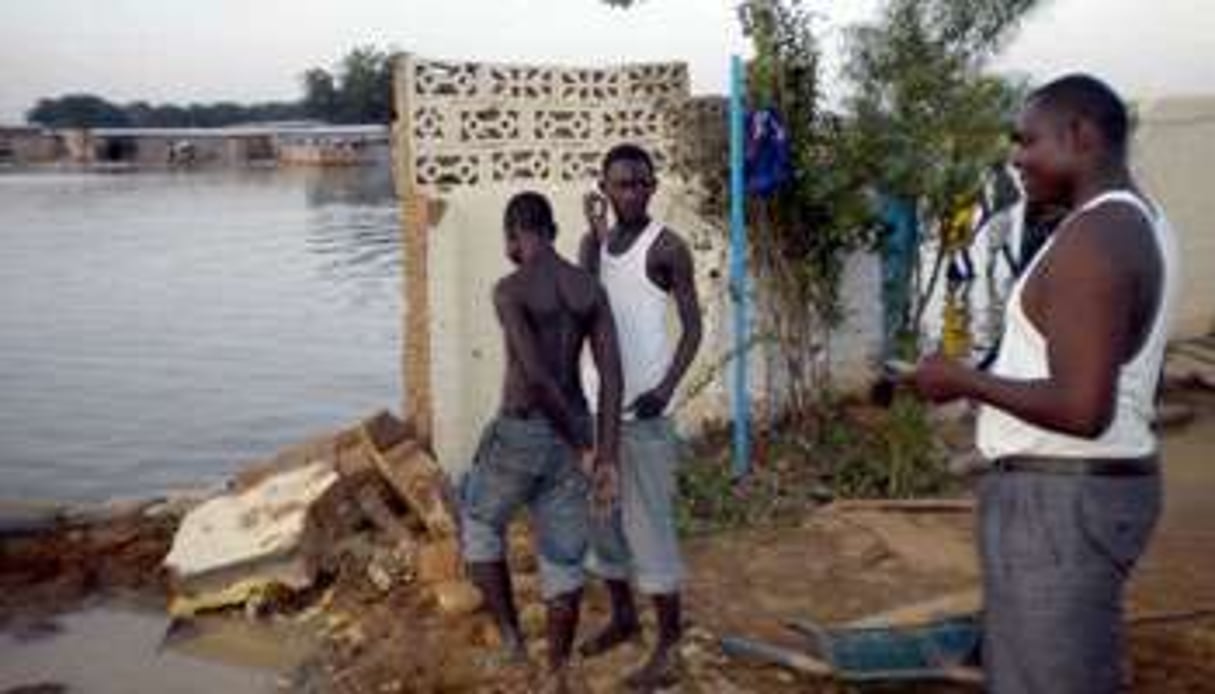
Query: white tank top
[[1023, 356], [640, 309]]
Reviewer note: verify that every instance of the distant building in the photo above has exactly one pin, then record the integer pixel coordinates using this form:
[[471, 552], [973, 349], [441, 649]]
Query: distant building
[[170, 147], [334, 145], [291, 143], [22, 145]]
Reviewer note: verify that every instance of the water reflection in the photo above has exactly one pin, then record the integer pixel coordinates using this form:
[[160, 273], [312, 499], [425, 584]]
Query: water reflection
[[352, 227], [351, 185], [159, 329], [118, 648]]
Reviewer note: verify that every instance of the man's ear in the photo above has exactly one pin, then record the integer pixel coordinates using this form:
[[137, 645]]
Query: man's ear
[[1086, 137]]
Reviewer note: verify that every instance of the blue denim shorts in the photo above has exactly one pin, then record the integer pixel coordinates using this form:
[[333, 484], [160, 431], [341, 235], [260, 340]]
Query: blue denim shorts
[[524, 463]]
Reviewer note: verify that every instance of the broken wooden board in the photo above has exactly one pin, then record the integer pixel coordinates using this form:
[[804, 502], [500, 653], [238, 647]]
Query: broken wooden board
[[903, 505], [421, 484], [964, 602], [751, 649]]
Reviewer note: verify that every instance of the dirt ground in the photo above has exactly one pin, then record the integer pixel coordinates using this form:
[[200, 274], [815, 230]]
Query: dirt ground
[[830, 567]]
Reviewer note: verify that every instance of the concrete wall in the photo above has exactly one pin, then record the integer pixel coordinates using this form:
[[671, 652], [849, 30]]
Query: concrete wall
[[466, 255], [467, 137], [1175, 157]]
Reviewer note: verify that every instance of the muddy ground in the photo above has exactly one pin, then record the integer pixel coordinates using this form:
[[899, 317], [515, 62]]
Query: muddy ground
[[829, 566]]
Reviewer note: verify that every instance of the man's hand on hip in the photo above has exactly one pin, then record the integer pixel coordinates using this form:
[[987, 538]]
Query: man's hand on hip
[[652, 403]]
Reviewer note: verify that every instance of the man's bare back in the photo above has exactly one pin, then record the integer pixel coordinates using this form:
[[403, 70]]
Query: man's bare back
[[548, 309], [531, 453]]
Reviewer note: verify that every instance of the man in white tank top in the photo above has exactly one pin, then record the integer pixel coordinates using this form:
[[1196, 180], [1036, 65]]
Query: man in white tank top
[[644, 267], [1066, 408]]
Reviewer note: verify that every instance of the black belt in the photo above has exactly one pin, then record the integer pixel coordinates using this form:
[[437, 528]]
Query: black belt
[[521, 412], [1094, 467]]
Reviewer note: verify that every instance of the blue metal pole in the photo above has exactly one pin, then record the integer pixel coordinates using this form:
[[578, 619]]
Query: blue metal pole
[[738, 274]]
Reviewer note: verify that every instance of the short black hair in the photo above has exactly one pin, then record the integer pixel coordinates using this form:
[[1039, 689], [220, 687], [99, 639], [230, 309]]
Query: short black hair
[[627, 152], [1088, 98], [531, 211]]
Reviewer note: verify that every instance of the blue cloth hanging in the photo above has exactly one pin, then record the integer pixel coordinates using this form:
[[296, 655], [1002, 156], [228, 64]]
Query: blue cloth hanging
[[901, 237], [768, 157]]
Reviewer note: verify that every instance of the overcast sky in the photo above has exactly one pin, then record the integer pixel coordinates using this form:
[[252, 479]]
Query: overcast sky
[[244, 50]]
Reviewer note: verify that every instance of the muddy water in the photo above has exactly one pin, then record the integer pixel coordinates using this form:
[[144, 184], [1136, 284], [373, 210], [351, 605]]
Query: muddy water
[[120, 649]]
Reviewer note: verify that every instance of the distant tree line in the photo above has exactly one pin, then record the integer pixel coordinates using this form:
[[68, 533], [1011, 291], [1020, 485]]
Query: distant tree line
[[89, 111], [359, 90]]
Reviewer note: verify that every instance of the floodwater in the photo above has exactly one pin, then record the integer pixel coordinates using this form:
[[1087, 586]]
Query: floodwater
[[122, 649], [159, 329]]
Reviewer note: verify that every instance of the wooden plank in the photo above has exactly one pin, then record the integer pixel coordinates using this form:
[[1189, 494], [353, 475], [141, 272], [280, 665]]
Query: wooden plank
[[951, 605], [1182, 369], [375, 509], [419, 482], [1153, 618], [750, 649], [1195, 352], [904, 505]]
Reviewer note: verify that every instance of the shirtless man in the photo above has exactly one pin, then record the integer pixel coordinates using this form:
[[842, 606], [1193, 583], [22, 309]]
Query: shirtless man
[[540, 451], [1074, 489], [645, 267]]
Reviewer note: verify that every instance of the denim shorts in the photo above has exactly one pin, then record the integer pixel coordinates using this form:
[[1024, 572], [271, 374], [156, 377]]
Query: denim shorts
[[525, 463]]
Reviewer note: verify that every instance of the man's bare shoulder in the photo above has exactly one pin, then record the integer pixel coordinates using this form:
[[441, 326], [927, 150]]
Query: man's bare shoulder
[[1114, 237], [578, 277], [508, 288], [669, 248], [670, 239], [670, 258]]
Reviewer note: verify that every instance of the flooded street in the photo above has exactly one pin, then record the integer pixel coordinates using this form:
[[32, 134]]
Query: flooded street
[[116, 648], [157, 329]]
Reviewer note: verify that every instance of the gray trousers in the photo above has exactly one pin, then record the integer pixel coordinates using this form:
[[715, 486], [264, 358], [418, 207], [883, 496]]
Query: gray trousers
[[1056, 551], [640, 541]]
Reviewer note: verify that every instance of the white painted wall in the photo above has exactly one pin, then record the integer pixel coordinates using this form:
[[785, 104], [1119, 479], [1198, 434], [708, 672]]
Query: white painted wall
[[1175, 157]]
